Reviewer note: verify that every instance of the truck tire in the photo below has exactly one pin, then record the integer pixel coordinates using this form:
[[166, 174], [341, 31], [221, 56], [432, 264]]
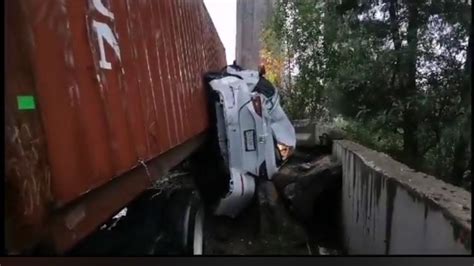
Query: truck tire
[[185, 214]]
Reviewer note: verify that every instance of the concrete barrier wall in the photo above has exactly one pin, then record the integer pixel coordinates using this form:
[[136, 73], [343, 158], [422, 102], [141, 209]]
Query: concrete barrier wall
[[305, 133], [390, 209], [310, 134]]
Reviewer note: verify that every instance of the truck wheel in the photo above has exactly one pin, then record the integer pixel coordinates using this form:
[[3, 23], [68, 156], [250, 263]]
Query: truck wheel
[[186, 221]]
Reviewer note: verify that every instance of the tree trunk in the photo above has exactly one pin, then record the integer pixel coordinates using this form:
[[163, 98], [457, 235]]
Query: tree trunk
[[459, 163], [462, 153], [409, 91], [288, 57], [397, 43], [403, 80]]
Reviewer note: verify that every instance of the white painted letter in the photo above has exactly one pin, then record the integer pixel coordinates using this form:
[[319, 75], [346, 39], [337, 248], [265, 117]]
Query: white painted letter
[[105, 33], [99, 6]]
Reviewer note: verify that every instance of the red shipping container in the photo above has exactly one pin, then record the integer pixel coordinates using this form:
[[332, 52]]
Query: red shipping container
[[94, 89]]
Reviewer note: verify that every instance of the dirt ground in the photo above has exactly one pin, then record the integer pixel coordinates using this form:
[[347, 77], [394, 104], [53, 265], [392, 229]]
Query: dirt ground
[[224, 236], [240, 236]]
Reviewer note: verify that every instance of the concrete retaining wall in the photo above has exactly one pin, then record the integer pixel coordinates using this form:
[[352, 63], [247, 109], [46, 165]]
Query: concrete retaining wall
[[305, 136], [390, 209], [309, 134]]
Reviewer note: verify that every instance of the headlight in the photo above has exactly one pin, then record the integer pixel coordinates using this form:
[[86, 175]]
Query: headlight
[[285, 151]]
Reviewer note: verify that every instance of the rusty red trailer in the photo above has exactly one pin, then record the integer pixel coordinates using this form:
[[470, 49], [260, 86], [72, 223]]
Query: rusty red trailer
[[102, 97]]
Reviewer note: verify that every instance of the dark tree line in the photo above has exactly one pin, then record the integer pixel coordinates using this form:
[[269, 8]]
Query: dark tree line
[[398, 73]]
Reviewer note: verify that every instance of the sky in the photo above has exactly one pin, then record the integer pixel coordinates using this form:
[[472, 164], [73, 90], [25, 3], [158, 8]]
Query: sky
[[223, 14]]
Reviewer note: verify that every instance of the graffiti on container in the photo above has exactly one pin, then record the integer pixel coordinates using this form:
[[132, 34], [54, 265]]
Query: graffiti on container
[[104, 33]]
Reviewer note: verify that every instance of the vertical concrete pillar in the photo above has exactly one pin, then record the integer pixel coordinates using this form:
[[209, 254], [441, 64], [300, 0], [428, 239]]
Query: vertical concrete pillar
[[252, 15]]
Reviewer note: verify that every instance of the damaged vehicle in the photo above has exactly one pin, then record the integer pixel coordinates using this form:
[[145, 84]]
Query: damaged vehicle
[[254, 135]]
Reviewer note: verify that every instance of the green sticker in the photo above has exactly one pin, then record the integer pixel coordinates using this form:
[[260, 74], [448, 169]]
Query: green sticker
[[26, 103]]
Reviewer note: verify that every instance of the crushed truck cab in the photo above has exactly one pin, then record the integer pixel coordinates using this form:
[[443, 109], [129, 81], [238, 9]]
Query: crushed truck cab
[[254, 134]]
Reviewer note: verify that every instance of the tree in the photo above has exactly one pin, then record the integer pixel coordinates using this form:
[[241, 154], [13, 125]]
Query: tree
[[398, 70]]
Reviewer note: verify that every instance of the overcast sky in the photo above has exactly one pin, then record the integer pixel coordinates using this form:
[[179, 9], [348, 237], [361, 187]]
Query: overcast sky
[[223, 14]]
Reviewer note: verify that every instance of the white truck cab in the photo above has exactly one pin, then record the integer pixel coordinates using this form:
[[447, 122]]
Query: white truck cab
[[254, 134]]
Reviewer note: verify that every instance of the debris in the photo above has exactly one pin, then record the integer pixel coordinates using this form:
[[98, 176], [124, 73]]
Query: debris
[[268, 227], [323, 251], [326, 251], [306, 166], [122, 213], [325, 175], [289, 191]]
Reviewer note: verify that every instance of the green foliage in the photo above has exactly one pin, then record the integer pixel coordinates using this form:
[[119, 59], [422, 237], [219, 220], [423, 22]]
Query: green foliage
[[374, 136], [397, 71]]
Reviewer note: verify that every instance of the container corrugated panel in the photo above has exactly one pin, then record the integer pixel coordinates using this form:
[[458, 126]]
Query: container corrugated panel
[[95, 87]]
